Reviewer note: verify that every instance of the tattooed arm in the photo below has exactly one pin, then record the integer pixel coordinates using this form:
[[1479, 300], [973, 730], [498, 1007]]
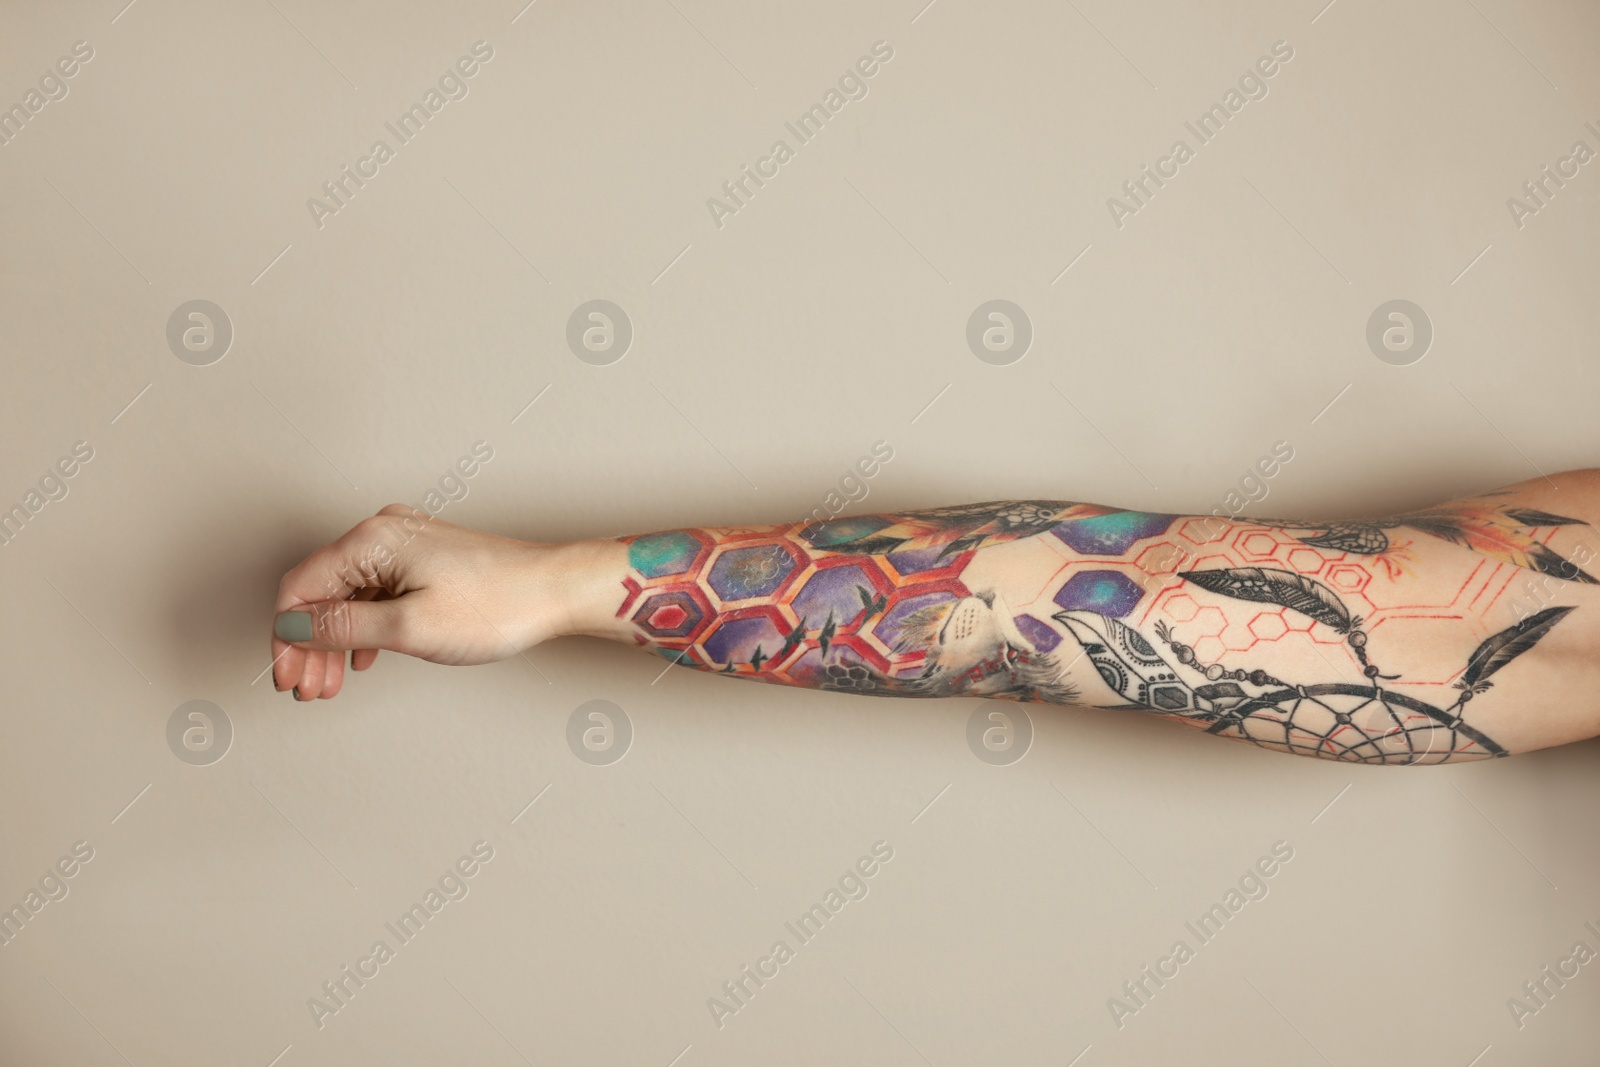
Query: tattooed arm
[[1466, 630]]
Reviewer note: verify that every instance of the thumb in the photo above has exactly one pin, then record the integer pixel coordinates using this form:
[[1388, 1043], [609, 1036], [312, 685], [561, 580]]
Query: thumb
[[340, 625]]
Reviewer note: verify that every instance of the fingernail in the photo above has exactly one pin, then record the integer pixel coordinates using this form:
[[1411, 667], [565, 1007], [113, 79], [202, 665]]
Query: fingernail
[[293, 626], [297, 692]]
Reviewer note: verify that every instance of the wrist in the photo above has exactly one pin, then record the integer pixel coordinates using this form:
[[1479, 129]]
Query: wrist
[[583, 583]]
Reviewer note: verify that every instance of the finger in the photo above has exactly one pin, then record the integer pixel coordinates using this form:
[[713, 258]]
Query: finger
[[348, 624], [287, 663], [310, 685], [361, 560], [362, 658], [366, 555], [333, 675]]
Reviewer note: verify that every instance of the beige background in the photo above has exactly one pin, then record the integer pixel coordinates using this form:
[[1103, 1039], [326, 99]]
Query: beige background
[[769, 354]]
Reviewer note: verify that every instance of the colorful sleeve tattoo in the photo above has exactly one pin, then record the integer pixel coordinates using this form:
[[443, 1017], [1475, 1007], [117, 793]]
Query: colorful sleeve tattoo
[[1195, 618]]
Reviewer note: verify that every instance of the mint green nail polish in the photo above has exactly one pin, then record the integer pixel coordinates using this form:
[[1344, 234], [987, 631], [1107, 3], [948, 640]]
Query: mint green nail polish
[[293, 626]]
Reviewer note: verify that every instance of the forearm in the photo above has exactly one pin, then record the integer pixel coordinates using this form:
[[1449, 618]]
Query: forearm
[[1462, 631]]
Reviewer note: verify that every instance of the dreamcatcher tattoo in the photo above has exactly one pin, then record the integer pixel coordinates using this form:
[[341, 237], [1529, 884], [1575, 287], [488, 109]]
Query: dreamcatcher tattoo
[[1359, 722]]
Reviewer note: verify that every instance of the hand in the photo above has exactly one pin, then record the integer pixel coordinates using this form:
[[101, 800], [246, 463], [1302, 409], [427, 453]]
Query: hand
[[406, 581]]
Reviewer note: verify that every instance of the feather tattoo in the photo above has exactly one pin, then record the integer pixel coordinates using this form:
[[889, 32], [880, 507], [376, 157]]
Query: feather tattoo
[[951, 530], [1506, 646], [1284, 588], [1296, 592], [1500, 533]]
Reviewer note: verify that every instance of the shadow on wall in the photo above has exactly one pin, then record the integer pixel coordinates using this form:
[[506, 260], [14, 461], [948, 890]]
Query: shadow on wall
[[222, 566]]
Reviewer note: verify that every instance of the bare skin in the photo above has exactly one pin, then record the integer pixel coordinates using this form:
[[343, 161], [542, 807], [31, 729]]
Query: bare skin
[[1465, 630]]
